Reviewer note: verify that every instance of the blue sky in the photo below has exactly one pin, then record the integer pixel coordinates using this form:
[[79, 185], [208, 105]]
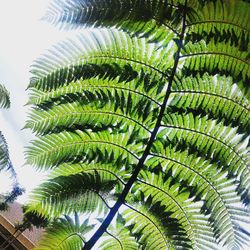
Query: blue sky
[[23, 38]]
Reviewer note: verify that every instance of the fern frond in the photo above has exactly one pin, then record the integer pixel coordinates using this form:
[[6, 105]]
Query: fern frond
[[217, 58], [82, 192], [125, 15], [54, 149], [139, 86], [119, 237], [100, 104], [5, 163], [217, 96], [106, 47], [157, 107], [65, 233], [177, 203], [221, 20], [210, 138], [153, 227], [219, 195], [4, 154]]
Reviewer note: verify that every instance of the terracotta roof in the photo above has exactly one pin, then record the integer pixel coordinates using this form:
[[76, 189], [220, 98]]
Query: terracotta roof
[[14, 215]]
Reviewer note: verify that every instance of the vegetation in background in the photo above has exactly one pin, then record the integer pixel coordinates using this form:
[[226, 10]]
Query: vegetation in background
[[143, 125], [5, 163]]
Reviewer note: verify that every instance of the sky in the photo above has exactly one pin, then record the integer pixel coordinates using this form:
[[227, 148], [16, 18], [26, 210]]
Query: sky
[[23, 38]]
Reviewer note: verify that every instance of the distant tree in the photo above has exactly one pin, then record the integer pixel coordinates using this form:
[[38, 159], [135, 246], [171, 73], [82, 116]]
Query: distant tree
[[144, 125], [5, 162]]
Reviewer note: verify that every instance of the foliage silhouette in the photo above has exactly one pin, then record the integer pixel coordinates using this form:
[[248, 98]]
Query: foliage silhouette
[[5, 162]]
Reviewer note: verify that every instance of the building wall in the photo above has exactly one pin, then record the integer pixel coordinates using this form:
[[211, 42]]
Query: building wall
[[26, 240]]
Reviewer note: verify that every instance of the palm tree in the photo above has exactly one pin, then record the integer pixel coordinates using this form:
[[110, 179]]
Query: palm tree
[[143, 125], [5, 163]]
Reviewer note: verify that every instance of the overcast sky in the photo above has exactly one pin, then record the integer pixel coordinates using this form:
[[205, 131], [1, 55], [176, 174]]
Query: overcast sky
[[23, 37]]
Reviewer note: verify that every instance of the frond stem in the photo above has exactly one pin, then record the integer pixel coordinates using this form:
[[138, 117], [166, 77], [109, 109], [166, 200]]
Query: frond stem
[[59, 116], [69, 236], [129, 60], [108, 171], [219, 22], [106, 204], [119, 242], [168, 26], [215, 54]]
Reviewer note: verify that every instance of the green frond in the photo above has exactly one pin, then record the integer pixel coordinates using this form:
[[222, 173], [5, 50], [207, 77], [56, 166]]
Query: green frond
[[176, 202], [4, 154], [153, 228], [219, 195], [217, 96], [67, 169], [64, 233], [154, 20], [211, 139], [51, 150], [144, 124], [119, 237], [217, 58], [139, 86], [74, 115], [221, 20], [82, 192], [99, 48], [5, 162], [102, 104]]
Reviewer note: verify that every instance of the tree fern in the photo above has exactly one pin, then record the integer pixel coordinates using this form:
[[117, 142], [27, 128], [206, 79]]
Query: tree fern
[[144, 123]]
